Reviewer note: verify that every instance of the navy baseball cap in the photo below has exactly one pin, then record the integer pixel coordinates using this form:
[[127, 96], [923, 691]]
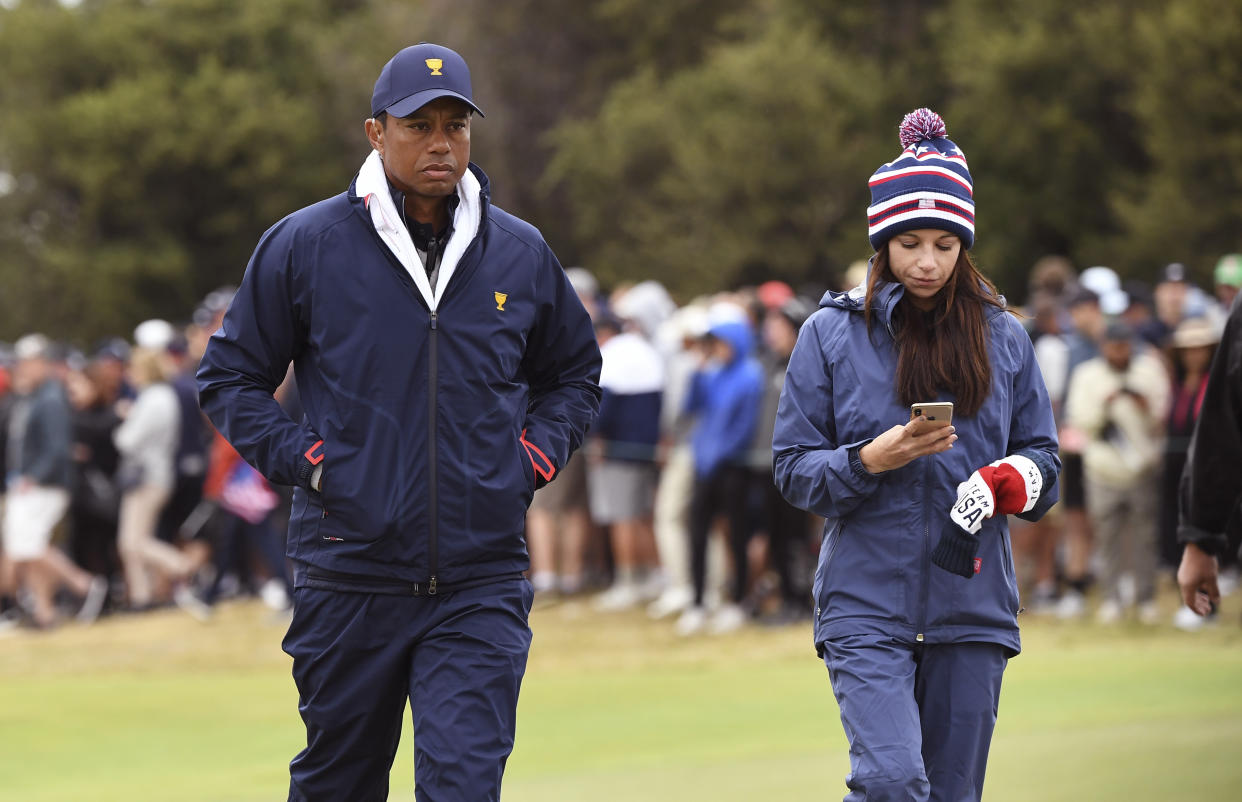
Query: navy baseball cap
[[418, 75]]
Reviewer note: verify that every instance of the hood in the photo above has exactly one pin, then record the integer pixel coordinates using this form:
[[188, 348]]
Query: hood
[[888, 293], [738, 335]]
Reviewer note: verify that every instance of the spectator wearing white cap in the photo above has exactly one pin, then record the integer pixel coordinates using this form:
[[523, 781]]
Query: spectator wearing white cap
[[39, 468], [1082, 345], [622, 475], [147, 441]]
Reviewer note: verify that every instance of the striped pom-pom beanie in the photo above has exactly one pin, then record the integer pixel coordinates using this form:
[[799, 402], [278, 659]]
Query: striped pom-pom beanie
[[927, 186]]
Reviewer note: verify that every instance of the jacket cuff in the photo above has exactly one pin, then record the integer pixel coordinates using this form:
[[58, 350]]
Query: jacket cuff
[[856, 463], [312, 463], [1214, 544]]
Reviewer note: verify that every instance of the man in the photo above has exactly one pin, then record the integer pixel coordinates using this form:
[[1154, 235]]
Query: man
[[623, 474], [1211, 483], [558, 523], [1082, 344], [1227, 278], [446, 369], [1119, 401], [724, 398], [786, 525], [40, 471]]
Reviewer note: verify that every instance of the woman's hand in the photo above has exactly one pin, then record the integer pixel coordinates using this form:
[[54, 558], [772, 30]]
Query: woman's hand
[[904, 444]]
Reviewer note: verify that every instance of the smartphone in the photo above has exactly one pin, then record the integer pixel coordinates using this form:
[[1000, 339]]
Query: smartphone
[[937, 413]]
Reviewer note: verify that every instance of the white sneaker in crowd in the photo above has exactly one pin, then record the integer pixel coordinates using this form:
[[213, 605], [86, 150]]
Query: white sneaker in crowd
[[1072, 605], [93, 601], [1227, 582], [652, 586], [543, 582], [621, 596], [1109, 612], [1149, 613], [673, 600], [728, 618], [691, 622], [273, 594], [1187, 620], [197, 609]]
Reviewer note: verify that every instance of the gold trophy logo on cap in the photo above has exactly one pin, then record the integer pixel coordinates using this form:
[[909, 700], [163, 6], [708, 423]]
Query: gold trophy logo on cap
[[435, 64]]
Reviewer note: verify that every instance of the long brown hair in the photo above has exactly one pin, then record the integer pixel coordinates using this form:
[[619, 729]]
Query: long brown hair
[[944, 349]]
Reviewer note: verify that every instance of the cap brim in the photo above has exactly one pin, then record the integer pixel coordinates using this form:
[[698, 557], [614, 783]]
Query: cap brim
[[407, 106]]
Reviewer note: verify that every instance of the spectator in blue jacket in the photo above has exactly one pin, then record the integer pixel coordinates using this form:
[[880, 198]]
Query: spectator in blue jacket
[[724, 397], [446, 370], [916, 600]]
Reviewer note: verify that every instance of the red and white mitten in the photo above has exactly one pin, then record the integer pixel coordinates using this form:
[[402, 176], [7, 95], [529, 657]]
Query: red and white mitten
[[1008, 486]]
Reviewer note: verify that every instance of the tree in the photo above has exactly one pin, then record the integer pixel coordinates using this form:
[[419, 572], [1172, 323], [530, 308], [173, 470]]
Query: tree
[[750, 164], [1187, 206], [152, 143]]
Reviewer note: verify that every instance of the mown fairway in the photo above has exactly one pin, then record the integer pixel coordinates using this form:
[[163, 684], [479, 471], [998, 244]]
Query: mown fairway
[[614, 708]]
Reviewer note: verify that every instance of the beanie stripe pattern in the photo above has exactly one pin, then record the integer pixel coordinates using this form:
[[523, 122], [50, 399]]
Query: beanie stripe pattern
[[927, 186]]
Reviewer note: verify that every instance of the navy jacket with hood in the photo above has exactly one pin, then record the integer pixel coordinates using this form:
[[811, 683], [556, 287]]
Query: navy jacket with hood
[[433, 428], [874, 574]]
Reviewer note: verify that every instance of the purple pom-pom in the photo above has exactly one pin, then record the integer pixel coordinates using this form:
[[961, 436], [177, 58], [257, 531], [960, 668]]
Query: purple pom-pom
[[921, 124]]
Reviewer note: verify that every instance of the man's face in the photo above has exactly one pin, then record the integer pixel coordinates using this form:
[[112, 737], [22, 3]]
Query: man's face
[[1117, 352], [1087, 318], [28, 374], [779, 334], [425, 154]]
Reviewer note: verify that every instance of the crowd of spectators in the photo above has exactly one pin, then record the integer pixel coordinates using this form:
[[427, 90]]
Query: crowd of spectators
[[120, 497], [670, 504]]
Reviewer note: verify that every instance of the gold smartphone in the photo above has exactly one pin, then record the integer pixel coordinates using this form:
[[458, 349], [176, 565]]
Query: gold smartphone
[[937, 413]]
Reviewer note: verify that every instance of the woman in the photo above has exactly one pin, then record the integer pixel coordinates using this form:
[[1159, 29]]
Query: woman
[[916, 601], [1191, 347], [147, 442]]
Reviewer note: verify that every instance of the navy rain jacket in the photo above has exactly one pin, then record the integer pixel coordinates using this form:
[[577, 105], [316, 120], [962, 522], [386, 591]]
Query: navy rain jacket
[[875, 574], [433, 428]]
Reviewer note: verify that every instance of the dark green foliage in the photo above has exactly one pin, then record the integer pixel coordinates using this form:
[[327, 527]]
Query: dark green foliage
[[145, 145]]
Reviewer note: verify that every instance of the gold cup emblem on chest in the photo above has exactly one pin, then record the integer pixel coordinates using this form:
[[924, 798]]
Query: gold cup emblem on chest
[[500, 300]]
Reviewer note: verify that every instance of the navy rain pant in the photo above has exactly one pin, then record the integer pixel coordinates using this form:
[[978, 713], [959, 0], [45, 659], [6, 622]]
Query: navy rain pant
[[458, 657], [919, 717]]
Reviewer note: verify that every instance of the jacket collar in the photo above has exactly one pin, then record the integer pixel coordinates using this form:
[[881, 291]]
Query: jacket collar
[[372, 188]]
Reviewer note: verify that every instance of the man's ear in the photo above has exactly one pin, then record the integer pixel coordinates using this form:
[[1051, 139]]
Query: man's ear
[[375, 134]]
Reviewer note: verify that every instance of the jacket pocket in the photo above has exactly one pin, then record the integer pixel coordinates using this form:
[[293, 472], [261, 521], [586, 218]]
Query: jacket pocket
[[542, 467], [825, 577], [362, 486], [528, 466]]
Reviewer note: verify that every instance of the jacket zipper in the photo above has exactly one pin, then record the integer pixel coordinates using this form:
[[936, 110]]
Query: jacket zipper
[[924, 567], [433, 544]]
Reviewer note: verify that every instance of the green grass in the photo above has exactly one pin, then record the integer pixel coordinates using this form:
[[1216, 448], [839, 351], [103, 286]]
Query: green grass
[[613, 708]]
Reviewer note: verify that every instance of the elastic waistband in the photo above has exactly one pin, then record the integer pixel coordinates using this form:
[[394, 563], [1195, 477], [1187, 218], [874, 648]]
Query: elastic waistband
[[322, 579]]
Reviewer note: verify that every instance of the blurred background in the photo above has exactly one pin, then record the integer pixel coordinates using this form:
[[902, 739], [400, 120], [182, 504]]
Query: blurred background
[[694, 164], [145, 144]]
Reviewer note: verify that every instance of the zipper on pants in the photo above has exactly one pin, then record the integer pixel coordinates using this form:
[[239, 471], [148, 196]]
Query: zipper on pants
[[925, 567]]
